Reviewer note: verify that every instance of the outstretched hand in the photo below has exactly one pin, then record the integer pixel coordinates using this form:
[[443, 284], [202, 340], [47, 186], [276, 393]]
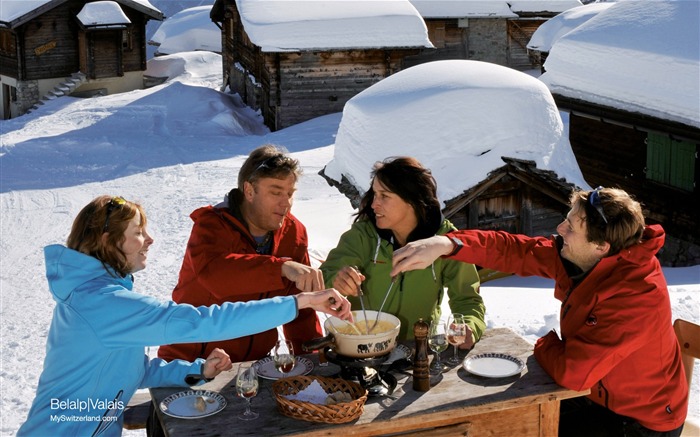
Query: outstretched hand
[[420, 254], [305, 278], [217, 361], [328, 301]]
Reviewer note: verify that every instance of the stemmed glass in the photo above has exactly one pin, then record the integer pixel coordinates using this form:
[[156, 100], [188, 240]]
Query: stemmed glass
[[283, 354], [437, 340], [247, 387], [456, 335]]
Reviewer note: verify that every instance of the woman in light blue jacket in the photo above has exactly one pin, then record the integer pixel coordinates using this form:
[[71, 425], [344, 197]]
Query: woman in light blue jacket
[[95, 358]]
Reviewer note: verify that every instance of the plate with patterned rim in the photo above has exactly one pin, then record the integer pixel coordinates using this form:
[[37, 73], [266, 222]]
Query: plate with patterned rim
[[193, 404], [493, 365], [266, 368]]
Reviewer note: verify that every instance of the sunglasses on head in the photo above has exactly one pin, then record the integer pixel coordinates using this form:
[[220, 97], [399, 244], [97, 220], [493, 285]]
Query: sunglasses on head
[[271, 163], [594, 200], [114, 203]]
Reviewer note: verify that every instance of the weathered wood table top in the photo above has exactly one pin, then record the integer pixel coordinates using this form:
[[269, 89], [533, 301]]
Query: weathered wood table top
[[454, 397]]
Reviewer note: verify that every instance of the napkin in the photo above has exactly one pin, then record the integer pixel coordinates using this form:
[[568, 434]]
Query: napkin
[[313, 393]]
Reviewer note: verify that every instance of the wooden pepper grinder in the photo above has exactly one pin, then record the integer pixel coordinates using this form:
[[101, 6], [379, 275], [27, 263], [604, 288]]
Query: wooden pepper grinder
[[421, 371]]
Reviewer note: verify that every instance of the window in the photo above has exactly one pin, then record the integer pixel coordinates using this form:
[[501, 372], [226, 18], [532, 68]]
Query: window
[[127, 41], [670, 161], [8, 46]]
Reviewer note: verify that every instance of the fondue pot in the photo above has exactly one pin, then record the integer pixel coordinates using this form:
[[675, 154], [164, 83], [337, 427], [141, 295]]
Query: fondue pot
[[355, 345]]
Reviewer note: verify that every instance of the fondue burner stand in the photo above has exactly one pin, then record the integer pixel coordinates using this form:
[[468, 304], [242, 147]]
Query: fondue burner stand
[[364, 371]]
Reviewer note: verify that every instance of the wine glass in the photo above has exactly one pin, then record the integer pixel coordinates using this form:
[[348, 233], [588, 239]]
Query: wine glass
[[283, 354], [437, 340], [247, 387], [456, 335]]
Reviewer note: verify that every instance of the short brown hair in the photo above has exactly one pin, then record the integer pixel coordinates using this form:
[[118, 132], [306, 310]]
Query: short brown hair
[[620, 220], [105, 214], [268, 161]]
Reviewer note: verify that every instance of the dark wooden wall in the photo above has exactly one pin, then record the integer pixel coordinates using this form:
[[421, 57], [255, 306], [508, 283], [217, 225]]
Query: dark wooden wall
[[48, 45], [615, 156], [513, 206]]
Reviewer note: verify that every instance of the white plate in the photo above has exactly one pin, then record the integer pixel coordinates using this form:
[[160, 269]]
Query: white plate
[[493, 365], [266, 368], [183, 404], [399, 352]]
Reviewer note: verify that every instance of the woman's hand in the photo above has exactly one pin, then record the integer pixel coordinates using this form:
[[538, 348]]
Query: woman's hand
[[420, 254], [328, 301], [348, 281], [217, 361]]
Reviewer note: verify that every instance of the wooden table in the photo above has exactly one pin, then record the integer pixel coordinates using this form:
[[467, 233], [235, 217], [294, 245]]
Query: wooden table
[[458, 403]]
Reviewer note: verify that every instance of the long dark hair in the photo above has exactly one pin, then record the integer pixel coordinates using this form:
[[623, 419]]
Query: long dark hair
[[406, 177]]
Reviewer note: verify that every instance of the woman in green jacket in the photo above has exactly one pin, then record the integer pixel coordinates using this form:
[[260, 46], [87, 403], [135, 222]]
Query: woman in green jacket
[[402, 206]]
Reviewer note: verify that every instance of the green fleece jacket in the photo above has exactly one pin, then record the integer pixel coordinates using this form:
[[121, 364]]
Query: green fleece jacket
[[416, 294]]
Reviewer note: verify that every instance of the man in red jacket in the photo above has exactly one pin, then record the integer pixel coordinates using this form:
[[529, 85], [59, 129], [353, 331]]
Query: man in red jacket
[[617, 337], [247, 248]]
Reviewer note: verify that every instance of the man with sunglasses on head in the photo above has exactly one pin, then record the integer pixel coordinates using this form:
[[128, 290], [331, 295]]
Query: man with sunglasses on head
[[617, 336], [249, 247]]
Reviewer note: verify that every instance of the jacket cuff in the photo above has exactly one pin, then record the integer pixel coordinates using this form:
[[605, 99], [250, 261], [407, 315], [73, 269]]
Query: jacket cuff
[[197, 378]]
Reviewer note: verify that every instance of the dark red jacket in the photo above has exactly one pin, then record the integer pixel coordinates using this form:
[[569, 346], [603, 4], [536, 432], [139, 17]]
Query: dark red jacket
[[221, 265], [616, 324]]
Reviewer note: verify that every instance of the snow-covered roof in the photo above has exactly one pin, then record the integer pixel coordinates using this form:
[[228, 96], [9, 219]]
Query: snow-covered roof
[[14, 11], [188, 30], [293, 25], [641, 57], [488, 8], [558, 26], [102, 14], [459, 118]]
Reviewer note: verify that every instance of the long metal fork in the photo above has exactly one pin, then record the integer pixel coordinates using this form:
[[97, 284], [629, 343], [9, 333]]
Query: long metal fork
[[393, 281]]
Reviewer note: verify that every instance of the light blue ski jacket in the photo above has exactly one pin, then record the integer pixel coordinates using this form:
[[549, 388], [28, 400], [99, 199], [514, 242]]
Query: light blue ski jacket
[[95, 357]]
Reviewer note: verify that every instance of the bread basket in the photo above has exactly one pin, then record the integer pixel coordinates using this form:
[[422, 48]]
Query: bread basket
[[339, 413]]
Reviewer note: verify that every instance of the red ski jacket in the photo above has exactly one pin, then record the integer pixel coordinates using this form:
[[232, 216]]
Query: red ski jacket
[[616, 323], [221, 265]]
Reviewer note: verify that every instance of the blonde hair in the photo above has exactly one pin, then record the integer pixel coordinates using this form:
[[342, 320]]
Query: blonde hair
[[105, 214]]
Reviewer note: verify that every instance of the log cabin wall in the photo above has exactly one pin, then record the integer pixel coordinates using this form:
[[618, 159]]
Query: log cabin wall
[[615, 156], [513, 206]]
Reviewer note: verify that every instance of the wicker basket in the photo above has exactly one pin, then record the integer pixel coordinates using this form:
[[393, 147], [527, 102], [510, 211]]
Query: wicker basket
[[338, 413]]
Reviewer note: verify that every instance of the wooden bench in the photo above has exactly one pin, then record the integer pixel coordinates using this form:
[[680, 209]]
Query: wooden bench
[[136, 412]]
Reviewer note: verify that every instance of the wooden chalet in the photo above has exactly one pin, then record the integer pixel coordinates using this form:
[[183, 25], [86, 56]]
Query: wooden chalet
[[57, 47], [643, 135], [489, 31], [653, 159], [517, 198], [294, 84]]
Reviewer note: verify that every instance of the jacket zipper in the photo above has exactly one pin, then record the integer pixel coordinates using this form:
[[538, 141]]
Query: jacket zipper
[[111, 412]]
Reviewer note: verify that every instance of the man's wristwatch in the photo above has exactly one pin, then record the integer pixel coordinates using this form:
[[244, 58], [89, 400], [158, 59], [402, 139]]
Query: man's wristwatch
[[457, 245]]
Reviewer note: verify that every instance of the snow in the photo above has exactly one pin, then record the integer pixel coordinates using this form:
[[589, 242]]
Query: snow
[[292, 25], [156, 147], [188, 30], [102, 13], [488, 8], [13, 9], [551, 30], [635, 56], [476, 112]]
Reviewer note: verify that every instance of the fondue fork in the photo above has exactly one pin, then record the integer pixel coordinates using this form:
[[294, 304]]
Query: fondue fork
[[393, 281], [362, 302]]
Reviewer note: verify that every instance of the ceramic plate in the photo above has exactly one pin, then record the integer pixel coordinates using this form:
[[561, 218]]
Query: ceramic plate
[[399, 352], [193, 404], [493, 365], [266, 368]]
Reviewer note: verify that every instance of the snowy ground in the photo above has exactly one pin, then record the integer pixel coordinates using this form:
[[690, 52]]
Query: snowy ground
[[159, 148]]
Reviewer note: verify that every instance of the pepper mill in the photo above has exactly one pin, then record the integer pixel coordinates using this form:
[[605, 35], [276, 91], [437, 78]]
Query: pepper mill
[[421, 371]]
